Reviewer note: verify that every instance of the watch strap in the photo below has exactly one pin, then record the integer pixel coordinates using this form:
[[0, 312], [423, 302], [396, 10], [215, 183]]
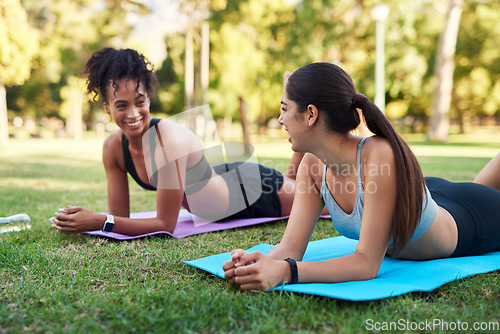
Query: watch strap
[[293, 269]]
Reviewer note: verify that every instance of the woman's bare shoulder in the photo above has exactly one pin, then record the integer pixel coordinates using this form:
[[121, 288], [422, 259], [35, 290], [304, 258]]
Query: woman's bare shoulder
[[179, 140], [172, 131], [113, 141], [312, 166], [310, 159], [378, 150], [112, 149]]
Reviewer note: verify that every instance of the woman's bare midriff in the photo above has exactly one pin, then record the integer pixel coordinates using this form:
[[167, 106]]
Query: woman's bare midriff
[[439, 241]]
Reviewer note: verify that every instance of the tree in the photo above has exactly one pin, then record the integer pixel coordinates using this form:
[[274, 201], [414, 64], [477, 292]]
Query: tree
[[253, 42], [476, 90], [18, 44], [246, 59], [68, 32], [445, 66], [256, 41]]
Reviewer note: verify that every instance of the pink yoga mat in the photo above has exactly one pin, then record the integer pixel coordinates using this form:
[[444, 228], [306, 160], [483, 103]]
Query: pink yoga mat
[[186, 226]]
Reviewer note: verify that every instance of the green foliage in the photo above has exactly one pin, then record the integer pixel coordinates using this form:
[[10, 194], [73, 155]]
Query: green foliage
[[343, 32], [18, 43], [68, 32], [170, 93], [253, 42], [262, 39], [477, 70], [243, 64], [17, 47]]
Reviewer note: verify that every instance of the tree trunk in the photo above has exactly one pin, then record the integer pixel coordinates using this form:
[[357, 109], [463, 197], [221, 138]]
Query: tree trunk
[[4, 120], [244, 124], [464, 120], [205, 61], [445, 65], [189, 71]]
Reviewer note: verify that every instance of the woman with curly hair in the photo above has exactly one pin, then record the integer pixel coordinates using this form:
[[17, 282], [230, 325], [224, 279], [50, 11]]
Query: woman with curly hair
[[125, 82]]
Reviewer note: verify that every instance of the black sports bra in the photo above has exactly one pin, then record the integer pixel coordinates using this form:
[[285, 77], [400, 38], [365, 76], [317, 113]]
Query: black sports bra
[[129, 164]]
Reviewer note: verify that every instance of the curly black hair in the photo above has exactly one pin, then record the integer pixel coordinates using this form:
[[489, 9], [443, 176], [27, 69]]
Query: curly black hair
[[110, 64]]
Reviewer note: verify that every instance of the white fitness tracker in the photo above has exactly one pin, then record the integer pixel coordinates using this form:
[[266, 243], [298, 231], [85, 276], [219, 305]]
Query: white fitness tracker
[[109, 223]]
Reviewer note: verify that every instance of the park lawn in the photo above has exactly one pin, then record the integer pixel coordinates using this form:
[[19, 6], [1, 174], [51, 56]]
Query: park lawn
[[76, 283]]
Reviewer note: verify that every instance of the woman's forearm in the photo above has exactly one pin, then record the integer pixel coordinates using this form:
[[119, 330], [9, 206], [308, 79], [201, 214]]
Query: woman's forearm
[[79, 219], [132, 226], [283, 251], [352, 267]]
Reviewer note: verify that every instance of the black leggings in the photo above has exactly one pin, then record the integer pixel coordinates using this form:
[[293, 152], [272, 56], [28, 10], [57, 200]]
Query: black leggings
[[476, 210], [268, 204]]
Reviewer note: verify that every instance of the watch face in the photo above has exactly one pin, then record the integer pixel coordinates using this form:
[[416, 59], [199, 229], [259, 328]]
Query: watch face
[[109, 224]]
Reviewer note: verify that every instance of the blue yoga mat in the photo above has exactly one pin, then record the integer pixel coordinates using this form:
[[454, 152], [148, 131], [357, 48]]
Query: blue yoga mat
[[395, 277]]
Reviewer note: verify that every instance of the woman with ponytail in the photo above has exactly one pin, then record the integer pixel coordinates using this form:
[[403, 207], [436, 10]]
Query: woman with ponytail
[[373, 188]]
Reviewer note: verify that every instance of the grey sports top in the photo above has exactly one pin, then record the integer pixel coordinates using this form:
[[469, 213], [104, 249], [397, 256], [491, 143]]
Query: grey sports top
[[349, 225]]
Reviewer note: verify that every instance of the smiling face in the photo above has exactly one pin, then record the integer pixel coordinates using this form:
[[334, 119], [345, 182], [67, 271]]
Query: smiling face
[[294, 122], [129, 107]]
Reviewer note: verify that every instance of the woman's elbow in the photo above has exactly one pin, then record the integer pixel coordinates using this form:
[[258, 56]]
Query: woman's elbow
[[370, 267], [166, 224], [367, 273], [371, 274]]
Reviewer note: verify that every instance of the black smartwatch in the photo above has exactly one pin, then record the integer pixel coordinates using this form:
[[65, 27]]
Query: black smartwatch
[[109, 223]]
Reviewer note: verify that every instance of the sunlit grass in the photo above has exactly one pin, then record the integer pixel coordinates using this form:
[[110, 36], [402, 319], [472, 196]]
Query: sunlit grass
[[76, 283]]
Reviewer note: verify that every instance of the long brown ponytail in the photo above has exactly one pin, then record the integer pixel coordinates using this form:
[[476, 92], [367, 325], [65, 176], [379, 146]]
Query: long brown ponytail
[[410, 181]]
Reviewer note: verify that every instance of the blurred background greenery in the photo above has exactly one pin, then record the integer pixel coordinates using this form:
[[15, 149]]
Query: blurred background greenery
[[44, 45]]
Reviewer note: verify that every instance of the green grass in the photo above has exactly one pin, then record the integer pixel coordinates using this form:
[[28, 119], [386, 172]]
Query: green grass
[[76, 283]]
